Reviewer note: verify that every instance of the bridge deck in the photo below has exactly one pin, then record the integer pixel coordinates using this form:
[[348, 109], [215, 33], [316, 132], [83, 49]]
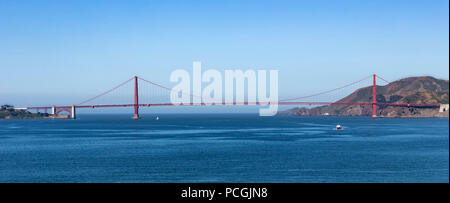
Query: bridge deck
[[243, 104]]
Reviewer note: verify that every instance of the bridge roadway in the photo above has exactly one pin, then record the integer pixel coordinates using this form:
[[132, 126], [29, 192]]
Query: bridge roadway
[[240, 103]]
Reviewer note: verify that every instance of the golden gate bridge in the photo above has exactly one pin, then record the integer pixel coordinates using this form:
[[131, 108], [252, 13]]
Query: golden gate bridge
[[71, 109]]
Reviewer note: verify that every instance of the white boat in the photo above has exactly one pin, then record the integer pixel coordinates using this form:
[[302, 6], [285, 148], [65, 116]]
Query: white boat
[[157, 118], [338, 127]]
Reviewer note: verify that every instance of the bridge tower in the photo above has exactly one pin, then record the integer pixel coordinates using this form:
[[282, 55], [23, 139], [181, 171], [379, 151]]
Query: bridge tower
[[136, 98], [73, 114], [374, 97]]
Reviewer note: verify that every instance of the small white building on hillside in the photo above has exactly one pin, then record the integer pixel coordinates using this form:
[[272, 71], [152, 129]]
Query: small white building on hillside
[[443, 108]]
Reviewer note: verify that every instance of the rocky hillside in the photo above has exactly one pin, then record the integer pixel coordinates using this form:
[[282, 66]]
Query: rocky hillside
[[417, 90]]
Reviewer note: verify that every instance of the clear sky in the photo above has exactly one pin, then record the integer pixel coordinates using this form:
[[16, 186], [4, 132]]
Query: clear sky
[[65, 51]]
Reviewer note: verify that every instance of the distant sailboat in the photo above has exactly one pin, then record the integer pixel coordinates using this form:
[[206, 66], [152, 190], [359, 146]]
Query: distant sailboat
[[157, 118]]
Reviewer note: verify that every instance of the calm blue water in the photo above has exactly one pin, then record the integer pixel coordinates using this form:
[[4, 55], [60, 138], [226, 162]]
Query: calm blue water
[[224, 148]]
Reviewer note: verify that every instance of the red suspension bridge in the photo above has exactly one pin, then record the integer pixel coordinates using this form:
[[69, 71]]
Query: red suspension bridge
[[71, 109]]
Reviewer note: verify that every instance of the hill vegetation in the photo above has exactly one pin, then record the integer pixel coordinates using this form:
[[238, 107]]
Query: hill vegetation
[[412, 90], [8, 112]]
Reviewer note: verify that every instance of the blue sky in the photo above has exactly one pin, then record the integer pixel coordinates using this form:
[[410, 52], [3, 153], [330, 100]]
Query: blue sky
[[65, 51]]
